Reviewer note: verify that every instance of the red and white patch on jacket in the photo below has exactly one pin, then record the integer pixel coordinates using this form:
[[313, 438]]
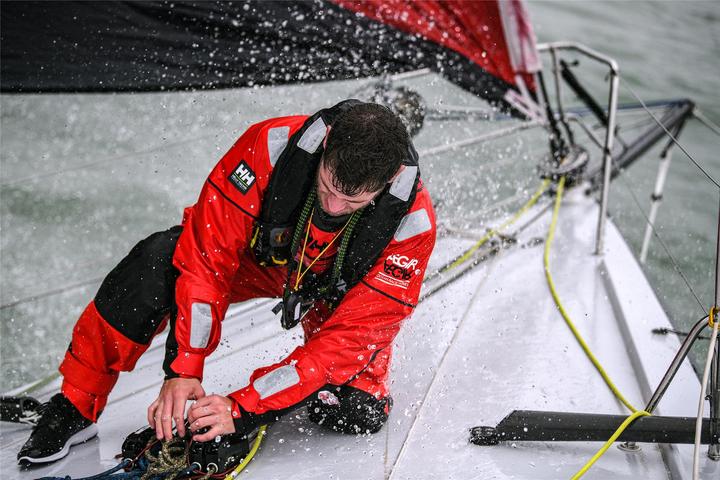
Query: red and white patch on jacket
[[398, 270]]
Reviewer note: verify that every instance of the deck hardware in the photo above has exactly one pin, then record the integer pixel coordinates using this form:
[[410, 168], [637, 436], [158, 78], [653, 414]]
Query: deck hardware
[[630, 447], [572, 165], [614, 73], [657, 195], [714, 449], [532, 425]]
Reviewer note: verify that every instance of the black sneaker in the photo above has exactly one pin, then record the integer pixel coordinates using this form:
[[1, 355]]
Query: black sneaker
[[61, 426]]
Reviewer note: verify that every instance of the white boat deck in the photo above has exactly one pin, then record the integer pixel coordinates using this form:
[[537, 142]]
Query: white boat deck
[[490, 343]]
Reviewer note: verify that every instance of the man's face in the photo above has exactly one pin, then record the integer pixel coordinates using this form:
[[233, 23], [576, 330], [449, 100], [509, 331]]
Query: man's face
[[334, 202]]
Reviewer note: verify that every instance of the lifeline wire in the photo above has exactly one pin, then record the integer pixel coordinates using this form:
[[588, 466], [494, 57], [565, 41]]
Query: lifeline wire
[[50, 293], [124, 156], [477, 261], [465, 256], [670, 135], [662, 243], [715, 128]]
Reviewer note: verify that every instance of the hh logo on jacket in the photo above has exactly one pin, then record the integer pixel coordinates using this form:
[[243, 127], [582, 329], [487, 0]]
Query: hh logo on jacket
[[243, 177]]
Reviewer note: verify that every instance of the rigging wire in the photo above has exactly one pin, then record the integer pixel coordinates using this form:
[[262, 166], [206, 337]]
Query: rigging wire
[[625, 127], [662, 243], [644, 122], [667, 132], [124, 156], [465, 256], [676, 266], [50, 293], [714, 127]]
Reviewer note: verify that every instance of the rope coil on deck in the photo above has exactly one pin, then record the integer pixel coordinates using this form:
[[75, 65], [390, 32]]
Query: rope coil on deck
[[169, 462]]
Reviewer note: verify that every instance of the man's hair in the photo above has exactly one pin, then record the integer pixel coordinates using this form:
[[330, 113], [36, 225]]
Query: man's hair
[[365, 148]]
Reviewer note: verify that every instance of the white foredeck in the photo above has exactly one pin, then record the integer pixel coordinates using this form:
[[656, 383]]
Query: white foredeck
[[490, 343]]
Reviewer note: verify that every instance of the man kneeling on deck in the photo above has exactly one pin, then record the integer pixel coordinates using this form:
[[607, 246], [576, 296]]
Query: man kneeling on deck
[[327, 212]]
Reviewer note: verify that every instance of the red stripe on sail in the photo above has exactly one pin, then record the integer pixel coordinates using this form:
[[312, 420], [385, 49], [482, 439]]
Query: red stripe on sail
[[472, 29]]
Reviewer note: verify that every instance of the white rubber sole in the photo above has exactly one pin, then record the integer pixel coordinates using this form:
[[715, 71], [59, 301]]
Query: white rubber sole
[[80, 437]]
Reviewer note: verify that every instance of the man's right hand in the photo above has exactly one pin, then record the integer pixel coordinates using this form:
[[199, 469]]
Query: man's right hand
[[170, 405]]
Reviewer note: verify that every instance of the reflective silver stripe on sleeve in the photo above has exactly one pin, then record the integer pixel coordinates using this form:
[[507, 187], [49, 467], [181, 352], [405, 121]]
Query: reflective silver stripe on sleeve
[[402, 186], [413, 224], [277, 141], [313, 136], [276, 381], [200, 325]]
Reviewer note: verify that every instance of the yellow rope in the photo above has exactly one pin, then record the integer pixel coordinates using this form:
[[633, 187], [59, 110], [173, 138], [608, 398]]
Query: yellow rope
[[546, 260], [494, 231], [611, 440], [256, 445], [561, 308]]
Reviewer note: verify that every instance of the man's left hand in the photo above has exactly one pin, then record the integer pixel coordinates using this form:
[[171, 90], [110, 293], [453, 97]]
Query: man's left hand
[[214, 411]]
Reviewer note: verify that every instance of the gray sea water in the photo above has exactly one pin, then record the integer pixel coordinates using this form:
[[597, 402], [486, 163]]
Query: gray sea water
[[665, 50], [84, 177]]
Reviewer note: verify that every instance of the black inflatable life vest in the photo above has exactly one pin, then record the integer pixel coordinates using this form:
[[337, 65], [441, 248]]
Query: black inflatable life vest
[[291, 182]]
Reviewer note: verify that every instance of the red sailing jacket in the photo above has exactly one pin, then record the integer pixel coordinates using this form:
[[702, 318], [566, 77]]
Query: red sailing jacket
[[351, 343]]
